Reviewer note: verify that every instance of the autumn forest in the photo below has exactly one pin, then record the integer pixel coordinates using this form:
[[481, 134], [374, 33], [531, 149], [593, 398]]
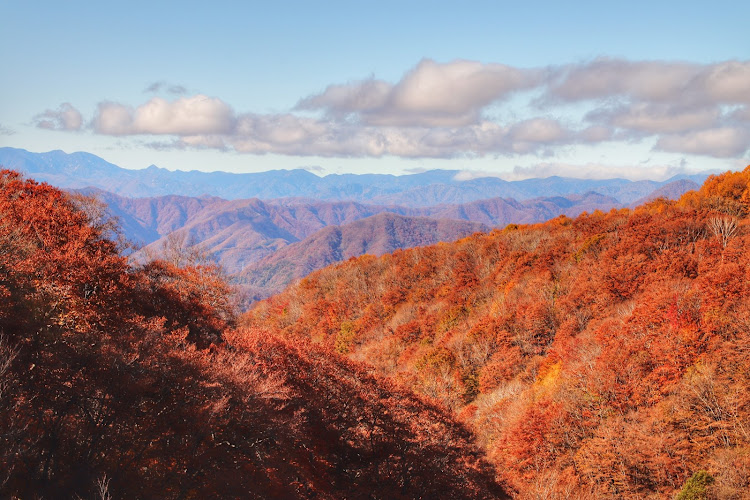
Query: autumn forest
[[601, 356]]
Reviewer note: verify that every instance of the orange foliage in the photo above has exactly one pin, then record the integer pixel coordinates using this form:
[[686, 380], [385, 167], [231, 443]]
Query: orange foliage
[[571, 346]]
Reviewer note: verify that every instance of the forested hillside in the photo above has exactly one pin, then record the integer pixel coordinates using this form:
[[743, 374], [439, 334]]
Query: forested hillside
[[121, 381], [603, 356]]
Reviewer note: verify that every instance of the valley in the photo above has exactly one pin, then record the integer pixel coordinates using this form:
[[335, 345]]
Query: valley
[[588, 349]]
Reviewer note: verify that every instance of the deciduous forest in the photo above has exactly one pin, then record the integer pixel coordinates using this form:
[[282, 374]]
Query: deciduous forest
[[602, 356], [121, 381]]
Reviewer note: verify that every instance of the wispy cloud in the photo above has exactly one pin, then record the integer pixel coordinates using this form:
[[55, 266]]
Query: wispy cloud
[[443, 110], [65, 117], [6, 130], [162, 86], [315, 169], [656, 118], [720, 142]]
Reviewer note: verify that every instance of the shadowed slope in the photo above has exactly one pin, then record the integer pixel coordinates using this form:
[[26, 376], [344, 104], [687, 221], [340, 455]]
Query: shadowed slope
[[132, 378]]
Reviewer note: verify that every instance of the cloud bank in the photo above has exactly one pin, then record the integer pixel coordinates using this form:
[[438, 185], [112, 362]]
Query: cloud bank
[[460, 109], [430, 95], [579, 171]]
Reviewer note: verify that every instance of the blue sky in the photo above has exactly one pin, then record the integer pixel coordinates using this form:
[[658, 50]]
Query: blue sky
[[596, 89]]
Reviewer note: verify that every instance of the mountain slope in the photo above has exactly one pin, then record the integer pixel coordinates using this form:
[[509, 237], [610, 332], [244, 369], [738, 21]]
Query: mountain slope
[[145, 220], [130, 382], [602, 356], [239, 232], [501, 211], [376, 235]]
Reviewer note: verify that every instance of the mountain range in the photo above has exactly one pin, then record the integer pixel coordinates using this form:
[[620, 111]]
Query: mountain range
[[600, 356], [267, 244], [128, 381], [433, 187], [244, 221], [240, 232]]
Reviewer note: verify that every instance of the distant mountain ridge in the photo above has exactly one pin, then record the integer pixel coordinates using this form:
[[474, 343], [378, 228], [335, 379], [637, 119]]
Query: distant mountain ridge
[[81, 170], [377, 235], [254, 239], [241, 232]]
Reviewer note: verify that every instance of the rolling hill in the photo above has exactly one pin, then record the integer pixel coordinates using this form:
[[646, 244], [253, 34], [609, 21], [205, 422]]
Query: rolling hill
[[239, 233]]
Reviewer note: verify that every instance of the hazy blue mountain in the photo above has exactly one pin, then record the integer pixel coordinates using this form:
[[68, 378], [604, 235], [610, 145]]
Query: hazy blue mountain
[[239, 232], [80, 170], [144, 220], [672, 190]]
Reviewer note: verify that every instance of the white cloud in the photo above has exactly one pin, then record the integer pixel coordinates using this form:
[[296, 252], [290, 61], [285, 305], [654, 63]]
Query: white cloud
[[727, 82], [204, 142], [741, 114], [288, 134], [657, 118], [171, 88], [6, 130], [684, 106], [65, 117], [196, 115], [606, 78], [686, 84], [450, 94], [349, 98], [431, 94], [596, 133], [315, 169], [538, 130], [113, 119], [723, 142]]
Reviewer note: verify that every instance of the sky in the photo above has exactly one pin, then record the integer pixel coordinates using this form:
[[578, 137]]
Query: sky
[[639, 89]]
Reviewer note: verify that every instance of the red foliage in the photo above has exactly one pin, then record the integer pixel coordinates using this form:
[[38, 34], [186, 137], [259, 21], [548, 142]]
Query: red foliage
[[132, 377]]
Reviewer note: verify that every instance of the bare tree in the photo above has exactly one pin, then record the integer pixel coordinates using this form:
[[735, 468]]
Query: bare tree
[[723, 228], [102, 488]]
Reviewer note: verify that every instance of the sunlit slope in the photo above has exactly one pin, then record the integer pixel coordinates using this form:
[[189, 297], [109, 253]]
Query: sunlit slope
[[607, 354]]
